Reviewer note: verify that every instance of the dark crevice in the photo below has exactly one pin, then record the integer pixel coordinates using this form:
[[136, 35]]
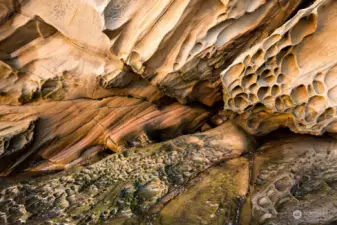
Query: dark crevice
[[303, 5]]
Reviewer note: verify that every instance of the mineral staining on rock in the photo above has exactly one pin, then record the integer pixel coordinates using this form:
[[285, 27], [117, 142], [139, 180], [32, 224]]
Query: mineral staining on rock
[[289, 78], [84, 53], [66, 130], [130, 183]]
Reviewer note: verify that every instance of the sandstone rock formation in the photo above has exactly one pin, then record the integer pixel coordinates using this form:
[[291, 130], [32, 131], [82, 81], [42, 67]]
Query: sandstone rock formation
[[131, 98], [67, 130], [182, 182], [289, 79], [131, 183], [85, 54], [68, 48]]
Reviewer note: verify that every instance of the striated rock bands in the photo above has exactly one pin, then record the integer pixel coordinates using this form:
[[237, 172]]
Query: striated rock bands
[[187, 181], [69, 68], [67, 130]]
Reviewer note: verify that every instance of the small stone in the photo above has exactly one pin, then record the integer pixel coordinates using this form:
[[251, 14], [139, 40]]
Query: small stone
[[263, 202], [217, 120], [205, 127], [283, 184], [62, 202], [265, 216]]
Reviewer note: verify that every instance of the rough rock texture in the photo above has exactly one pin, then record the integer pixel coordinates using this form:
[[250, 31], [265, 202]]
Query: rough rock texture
[[126, 186], [289, 79], [214, 197], [69, 48], [295, 182], [189, 180], [65, 131], [95, 74], [138, 80]]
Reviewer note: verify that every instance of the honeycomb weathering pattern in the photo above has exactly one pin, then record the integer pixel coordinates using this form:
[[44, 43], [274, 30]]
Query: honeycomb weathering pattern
[[67, 48], [295, 174], [100, 56], [289, 79], [151, 175]]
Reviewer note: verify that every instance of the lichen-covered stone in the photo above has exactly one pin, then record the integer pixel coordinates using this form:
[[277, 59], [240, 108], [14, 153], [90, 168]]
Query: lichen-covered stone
[[78, 78]]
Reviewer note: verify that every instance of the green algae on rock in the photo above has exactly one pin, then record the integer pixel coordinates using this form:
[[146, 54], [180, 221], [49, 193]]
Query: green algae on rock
[[124, 185], [214, 197]]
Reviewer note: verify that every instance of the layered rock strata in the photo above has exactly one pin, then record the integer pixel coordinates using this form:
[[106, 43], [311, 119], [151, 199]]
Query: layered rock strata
[[54, 135], [80, 80], [73, 57], [188, 180]]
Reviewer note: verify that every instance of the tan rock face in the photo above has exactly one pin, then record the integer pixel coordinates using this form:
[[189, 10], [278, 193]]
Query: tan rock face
[[289, 79], [69, 67], [69, 49], [82, 79], [62, 132]]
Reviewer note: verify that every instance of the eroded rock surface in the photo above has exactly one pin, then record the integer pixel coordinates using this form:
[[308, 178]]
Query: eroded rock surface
[[72, 49], [289, 79], [65, 131], [73, 56], [214, 197], [189, 180], [296, 182], [79, 79], [135, 182]]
